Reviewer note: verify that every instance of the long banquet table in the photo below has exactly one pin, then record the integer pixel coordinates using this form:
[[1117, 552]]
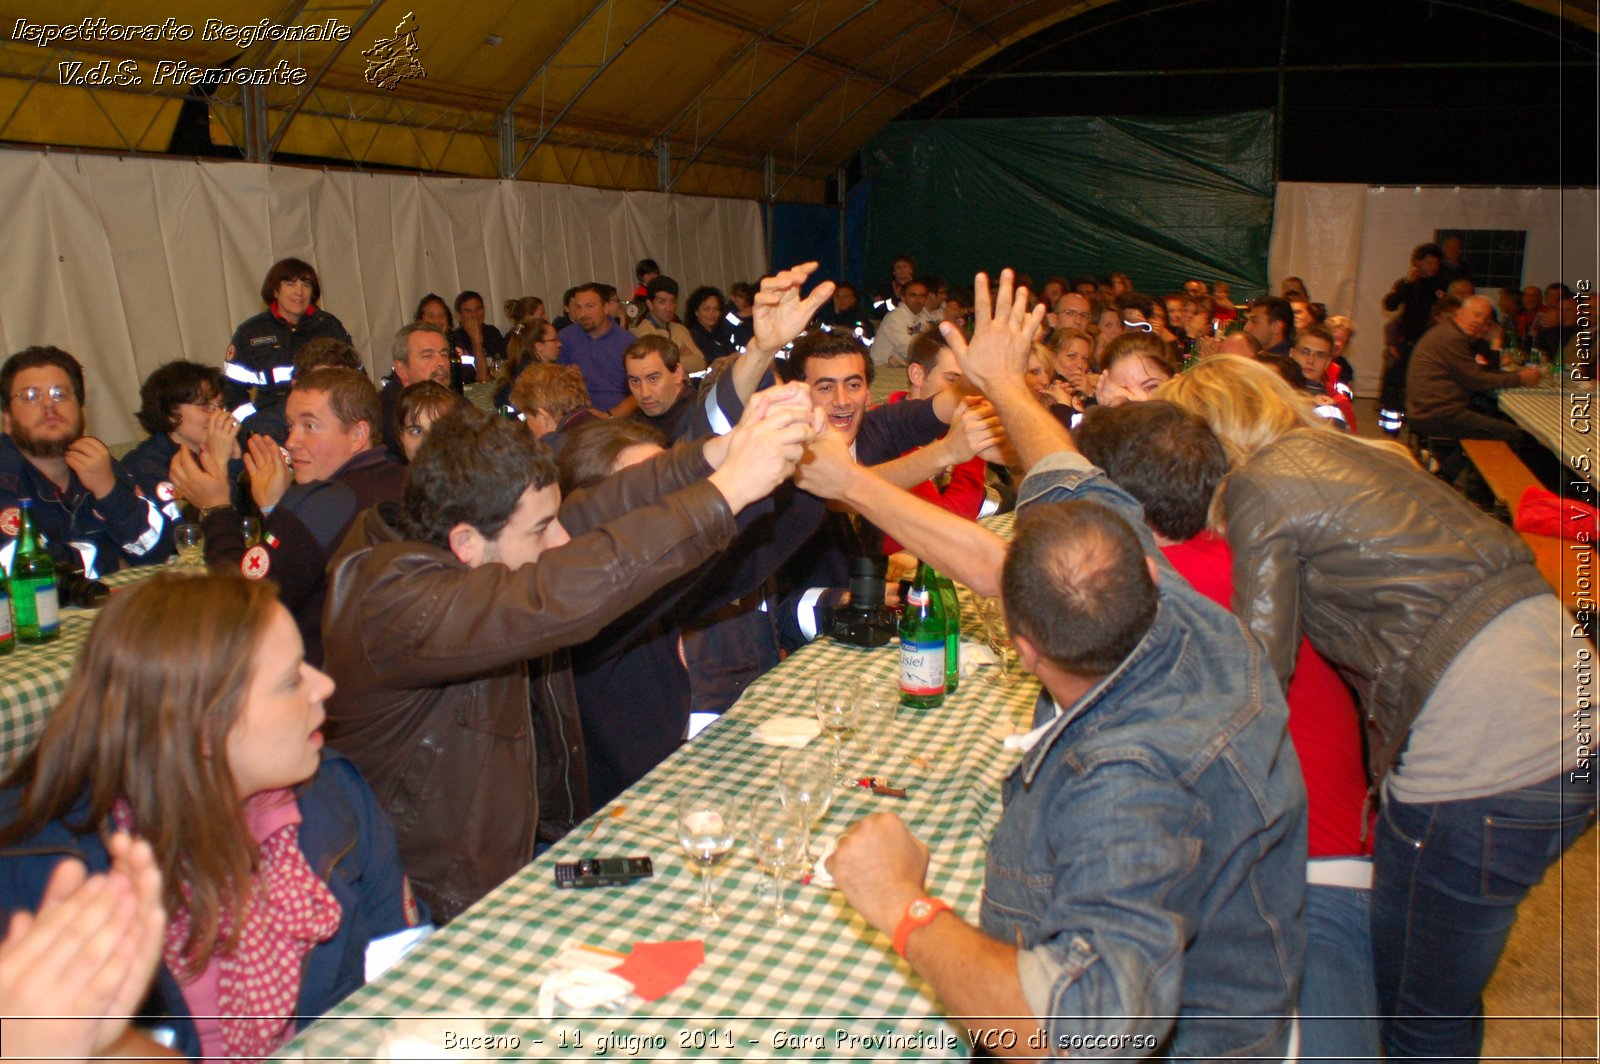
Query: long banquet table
[[1562, 419], [761, 987], [32, 678]]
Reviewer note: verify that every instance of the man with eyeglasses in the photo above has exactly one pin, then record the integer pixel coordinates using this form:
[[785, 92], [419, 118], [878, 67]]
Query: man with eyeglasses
[[84, 502], [1071, 310]]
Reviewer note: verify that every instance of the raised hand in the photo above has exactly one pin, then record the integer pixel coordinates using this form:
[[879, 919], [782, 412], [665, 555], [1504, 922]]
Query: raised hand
[[827, 468], [1002, 334], [763, 449], [269, 473], [91, 461], [201, 481], [86, 958], [985, 436], [779, 313], [222, 438]]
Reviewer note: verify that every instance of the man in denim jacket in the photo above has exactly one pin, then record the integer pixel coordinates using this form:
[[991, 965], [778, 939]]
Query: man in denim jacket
[[1144, 885]]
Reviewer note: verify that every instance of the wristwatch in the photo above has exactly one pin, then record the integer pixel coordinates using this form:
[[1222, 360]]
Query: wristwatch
[[919, 913]]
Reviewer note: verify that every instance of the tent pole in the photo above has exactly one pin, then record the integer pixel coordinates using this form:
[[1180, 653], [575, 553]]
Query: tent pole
[[1277, 113]]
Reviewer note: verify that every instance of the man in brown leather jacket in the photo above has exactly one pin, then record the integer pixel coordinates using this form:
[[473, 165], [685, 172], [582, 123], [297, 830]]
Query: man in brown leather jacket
[[448, 616]]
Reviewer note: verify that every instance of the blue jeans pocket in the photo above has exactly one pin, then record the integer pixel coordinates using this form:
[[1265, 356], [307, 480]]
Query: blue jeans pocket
[[1517, 851], [1409, 823]]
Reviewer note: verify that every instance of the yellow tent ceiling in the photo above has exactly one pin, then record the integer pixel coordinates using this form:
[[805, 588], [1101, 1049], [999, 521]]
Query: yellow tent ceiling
[[718, 97]]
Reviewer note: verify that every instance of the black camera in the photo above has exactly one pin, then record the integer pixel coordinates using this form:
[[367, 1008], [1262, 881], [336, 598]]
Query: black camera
[[73, 587], [865, 621]]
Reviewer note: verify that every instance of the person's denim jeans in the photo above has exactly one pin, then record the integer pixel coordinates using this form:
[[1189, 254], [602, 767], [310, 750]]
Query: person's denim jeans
[[1338, 1004], [1448, 879]]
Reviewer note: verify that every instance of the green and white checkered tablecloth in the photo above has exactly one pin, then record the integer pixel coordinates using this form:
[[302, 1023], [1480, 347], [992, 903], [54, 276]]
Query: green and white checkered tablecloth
[[1561, 419], [33, 677], [829, 973]]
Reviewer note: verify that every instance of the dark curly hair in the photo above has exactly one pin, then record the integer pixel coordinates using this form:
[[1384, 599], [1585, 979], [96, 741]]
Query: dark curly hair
[[472, 469], [174, 383]]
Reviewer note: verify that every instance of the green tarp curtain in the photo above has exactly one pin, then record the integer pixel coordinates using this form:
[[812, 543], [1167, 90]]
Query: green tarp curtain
[[1160, 198]]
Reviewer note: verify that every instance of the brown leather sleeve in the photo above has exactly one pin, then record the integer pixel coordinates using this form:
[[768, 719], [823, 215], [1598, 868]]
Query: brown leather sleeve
[[640, 485], [424, 623]]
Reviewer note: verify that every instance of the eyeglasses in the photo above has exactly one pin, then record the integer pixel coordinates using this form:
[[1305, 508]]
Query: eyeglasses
[[211, 405], [57, 393]]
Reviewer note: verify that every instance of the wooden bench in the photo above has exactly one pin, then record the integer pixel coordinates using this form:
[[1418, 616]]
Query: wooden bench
[[1508, 478]]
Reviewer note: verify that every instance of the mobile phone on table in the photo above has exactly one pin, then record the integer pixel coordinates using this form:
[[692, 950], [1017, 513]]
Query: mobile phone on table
[[602, 871]]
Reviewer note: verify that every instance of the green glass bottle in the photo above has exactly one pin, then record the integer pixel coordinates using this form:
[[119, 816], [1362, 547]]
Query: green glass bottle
[[33, 584], [952, 639], [922, 643]]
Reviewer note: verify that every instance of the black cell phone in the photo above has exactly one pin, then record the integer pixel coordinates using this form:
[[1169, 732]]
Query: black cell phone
[[602, 871]]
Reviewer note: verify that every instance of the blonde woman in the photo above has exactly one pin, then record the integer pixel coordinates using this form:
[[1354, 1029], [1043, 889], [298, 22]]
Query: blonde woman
[[1455, 645]]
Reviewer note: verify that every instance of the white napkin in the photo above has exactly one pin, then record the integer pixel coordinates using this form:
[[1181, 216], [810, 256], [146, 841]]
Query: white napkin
[[820, 876], [790, 731], [974, 656]]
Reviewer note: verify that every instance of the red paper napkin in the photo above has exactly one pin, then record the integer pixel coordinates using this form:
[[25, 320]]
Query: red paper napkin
[[1543, 512], [657, 968]]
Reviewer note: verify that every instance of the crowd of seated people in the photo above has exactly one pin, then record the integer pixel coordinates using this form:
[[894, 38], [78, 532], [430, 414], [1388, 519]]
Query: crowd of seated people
[[467, 603]]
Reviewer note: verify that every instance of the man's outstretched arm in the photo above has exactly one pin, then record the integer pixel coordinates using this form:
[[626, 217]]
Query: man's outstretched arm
[[957, 547]]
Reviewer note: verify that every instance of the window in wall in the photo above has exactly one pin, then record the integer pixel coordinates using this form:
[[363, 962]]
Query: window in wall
[[1494, 255]]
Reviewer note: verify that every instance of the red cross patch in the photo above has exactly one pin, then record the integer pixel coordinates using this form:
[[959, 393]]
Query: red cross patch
[[255, 563], [165, 491], [10, 521]]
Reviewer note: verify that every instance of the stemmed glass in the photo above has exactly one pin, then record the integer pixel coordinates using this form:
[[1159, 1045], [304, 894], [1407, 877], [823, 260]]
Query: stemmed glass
[[778, 835], [876, 728], [836, 704], [707, 828], [191, 543], [991, 615], [805, 784]]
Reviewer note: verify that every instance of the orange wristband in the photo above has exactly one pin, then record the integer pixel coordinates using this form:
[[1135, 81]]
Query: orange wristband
[[919, 913]]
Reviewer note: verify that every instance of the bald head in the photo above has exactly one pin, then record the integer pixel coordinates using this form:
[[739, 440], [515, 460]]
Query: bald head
[[1077, 585]]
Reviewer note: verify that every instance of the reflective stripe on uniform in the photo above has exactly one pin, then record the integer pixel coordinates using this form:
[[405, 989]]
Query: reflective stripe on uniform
[[243, 411], [88, 552], [241, 375], [154, 524], [719, 421], [281, 374]]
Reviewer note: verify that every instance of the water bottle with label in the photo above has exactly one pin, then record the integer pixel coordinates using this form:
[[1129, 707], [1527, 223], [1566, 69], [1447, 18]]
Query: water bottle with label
[[952, 633], [923, 643], [33, 584]]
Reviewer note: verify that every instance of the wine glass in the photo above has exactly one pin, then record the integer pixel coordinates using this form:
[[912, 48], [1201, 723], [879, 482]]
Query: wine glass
[[190, 540], [805, 784], [876, 729], [779, 835], [707, 827], [992, 617], [836, 704]]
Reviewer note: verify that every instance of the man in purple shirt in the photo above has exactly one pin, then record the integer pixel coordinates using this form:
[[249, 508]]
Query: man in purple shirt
[[595, 344]]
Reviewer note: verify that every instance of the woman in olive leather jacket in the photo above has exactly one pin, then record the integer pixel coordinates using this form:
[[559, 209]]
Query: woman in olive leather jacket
[[1437, 617]]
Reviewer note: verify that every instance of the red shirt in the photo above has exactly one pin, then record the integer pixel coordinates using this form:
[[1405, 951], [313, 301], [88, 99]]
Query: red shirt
[[962, 496], [1323, 722]]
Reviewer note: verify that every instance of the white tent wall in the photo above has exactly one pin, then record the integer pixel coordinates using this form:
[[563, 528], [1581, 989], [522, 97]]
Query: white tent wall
[[129, 262], [1349, 243]]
